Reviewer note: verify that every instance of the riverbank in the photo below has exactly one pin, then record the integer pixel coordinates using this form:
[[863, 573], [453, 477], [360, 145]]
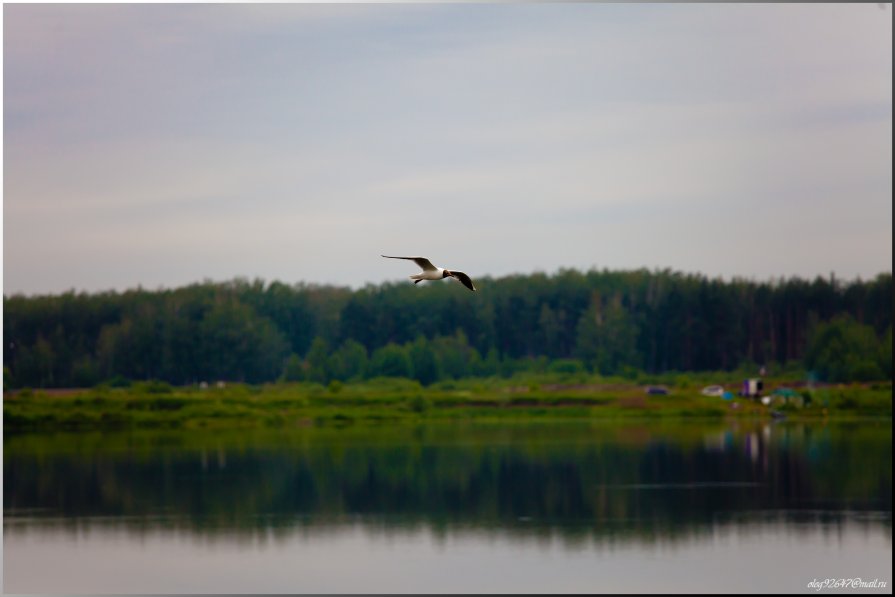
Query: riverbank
[[388, 400]]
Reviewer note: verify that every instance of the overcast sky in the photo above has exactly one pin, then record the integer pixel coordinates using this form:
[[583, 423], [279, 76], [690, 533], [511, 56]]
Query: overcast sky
[[164, 144]]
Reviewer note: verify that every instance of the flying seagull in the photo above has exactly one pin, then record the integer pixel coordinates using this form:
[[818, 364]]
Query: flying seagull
[[430, 272]]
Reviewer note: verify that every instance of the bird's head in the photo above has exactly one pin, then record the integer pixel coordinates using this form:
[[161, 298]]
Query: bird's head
[[446, 273]]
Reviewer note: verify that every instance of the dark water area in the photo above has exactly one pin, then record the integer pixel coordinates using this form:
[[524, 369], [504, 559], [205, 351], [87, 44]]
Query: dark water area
[[454, 508]]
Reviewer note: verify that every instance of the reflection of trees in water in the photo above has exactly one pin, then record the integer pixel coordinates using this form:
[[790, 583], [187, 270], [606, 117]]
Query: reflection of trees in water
[[574, 487], [833, 525]]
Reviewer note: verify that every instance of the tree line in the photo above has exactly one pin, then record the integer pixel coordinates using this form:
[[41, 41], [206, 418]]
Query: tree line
[[601, 321]]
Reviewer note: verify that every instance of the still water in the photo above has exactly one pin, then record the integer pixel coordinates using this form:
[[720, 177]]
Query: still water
[[633, 507]]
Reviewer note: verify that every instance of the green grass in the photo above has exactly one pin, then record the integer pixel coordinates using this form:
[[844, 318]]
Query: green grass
[[388, 401]]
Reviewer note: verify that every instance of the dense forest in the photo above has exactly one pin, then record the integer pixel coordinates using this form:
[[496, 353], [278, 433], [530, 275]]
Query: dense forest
[[606, 322]]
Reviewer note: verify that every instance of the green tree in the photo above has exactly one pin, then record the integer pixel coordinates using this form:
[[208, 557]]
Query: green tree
[[237, 344], [350, 361], [607, 337], [294, 369], [488, 366], [85, 372], [844, 350], [317, 361], [453, 353], [35, 364], [390, 360], [885, 354], [550, 331], [424, 361], [131, 347]]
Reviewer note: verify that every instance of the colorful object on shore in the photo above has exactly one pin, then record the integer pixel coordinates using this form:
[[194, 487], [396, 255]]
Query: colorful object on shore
[[785, 392], [752, 387], [714, 390]]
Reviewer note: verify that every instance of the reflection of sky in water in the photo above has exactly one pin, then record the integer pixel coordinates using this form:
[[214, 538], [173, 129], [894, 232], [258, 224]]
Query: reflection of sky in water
[[516, 509], [760, 557]]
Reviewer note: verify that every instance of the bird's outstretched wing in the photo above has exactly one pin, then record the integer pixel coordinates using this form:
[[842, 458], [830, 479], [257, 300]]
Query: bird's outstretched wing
[[463, 278], [424, 263]]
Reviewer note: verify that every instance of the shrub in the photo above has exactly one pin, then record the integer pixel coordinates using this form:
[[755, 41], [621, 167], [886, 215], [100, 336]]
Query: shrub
[[566, 366], [682, 381], [807, 397], [119, 381], [294, 369], [630, 373], [420, 404], [390, 360], [846, 402], [154, 386], [844, 350]]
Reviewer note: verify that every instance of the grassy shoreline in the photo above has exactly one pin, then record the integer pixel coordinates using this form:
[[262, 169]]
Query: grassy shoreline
[[389, 400]]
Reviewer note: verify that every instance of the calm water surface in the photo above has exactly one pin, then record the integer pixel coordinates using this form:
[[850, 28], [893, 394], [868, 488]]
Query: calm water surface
[[633, 507]]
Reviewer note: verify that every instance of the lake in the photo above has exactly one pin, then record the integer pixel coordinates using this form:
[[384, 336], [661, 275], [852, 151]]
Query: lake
[[670, 506]]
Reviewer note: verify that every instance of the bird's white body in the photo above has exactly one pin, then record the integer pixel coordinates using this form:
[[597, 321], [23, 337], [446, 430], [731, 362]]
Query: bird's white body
[[432, 274]]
